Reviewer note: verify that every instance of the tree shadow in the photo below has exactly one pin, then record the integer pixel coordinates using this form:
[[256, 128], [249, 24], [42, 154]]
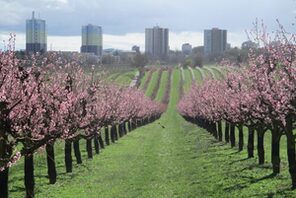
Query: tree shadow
[[251, 180], [240, 160], [17, 189]]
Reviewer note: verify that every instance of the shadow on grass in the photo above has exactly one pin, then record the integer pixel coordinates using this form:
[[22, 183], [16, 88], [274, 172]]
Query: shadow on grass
[[240, 160], [251, 180]]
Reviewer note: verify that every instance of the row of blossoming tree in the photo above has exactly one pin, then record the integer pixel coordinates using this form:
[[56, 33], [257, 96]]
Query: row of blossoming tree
[[58, 101], [260, 96]]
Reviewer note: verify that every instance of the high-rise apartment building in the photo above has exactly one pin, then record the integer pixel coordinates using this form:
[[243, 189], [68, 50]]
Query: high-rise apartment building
[[36, 37], [186, 49], [92, 40], [157, 42], [215, 41]]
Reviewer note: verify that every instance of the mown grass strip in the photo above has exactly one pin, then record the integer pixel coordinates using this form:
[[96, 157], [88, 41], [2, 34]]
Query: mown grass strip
[[147, 80], [152, 83], [156, 87], [187, 80], [162, 87]]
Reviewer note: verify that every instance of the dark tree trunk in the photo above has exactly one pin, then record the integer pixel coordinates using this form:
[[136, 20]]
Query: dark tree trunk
[[120, 132], [112, 133], [250, 142], [68, 156], [232, 135], [291, 151], [226, 132], [213, 126], [115, 132], [260, 145], [96, 143], [4, 183], [129, 126], [29, 176], [275, 151], [124, 128], [220, 130], [51, 166], [101, 142], [240, 137], [77, 151], [107, 136], [89, 149]]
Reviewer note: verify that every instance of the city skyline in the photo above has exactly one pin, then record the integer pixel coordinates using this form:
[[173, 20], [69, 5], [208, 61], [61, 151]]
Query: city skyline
[[124, 21]]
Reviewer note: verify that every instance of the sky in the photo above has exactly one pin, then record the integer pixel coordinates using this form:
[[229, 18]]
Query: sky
[[124, 21]]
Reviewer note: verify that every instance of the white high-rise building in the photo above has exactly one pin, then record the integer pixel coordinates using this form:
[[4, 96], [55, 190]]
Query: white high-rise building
[[92, 39], [215, 41], [36, 36], [157, 42]]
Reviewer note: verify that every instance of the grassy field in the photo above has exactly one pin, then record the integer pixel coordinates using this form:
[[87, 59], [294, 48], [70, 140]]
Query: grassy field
[[163, 83], [167, 158], [152, 83]]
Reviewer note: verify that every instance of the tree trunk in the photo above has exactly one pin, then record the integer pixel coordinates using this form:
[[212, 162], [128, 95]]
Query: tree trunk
[[124, 128], [232, 135], [96, 143], [240, 137], [115, 132], [275, 151], [291, 151], [107, 136], [4, 183], [89, 148], [129, 126], [226, 132], [250, 142], [220, 130], [112, 133], [120, 132], [101, 142], [260, 145], [77, 151], [51, 166], [29, 176], [68, 156]]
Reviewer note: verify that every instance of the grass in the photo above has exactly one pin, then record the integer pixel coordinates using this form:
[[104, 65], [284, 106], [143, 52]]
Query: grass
[[167, 158], [125, 78], [198, 76], [187, 80], [163, 83], [152, 83], [143, 80]]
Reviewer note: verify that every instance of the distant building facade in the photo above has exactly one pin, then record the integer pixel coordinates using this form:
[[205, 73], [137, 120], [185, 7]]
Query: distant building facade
[[157, 42], [186, 49], [215, 41], [249, 44], [92, 40], [36, 36]]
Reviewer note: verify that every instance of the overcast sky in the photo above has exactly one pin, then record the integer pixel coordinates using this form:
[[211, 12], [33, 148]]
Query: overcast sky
[[124, 21]]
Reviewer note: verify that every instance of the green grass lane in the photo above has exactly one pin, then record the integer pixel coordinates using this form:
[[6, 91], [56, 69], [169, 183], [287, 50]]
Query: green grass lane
[[152, 83], [187, 80], [198, 76], [125, 78], [143, 80], [207, 72], [217, 73], [162, 87]]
